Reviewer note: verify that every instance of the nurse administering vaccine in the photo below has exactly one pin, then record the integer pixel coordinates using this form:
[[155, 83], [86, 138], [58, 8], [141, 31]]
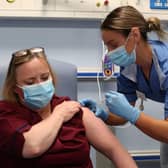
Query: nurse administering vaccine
[[143, 68]]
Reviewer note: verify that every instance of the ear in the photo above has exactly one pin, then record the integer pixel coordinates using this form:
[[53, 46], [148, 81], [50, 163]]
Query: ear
[[135, 32], [133, 39]]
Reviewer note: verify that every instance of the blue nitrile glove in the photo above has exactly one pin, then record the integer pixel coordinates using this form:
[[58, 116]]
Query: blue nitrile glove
[[93, 106], [119, 105]]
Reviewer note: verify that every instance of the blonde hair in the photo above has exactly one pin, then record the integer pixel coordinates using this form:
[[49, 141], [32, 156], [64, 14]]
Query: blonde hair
[[123, 18], [10, 81]]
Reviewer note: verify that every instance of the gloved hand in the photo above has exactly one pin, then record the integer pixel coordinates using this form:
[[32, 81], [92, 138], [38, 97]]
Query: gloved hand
[[118, 104], [93, 106]]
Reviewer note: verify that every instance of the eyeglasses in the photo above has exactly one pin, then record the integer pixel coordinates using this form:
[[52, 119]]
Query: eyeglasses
[[30, 51]]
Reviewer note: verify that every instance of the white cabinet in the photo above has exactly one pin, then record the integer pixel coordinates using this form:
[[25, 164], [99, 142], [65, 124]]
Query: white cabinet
[[88, 9]]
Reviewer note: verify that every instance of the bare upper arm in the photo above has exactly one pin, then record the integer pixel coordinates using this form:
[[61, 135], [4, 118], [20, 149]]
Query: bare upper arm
[[102, 138], [98, 133]]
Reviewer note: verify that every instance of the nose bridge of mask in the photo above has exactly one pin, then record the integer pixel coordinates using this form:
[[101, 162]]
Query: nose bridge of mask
[[36, 88], [36, 84]]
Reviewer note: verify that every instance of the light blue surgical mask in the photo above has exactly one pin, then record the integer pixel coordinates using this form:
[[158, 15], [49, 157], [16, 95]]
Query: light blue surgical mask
[[121, 57], [37, 96]]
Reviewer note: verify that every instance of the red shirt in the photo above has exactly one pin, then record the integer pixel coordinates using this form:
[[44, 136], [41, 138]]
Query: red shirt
[[69, 150]]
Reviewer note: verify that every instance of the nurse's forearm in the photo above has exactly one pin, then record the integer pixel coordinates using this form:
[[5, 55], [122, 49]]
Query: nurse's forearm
[[155, 128], [115, 120]]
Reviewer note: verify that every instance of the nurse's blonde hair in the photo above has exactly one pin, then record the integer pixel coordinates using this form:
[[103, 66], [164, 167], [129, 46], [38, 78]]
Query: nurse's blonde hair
[[123, 18], [10, 81]]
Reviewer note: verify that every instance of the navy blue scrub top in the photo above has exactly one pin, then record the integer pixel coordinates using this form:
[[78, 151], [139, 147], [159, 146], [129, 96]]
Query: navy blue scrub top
[[152, 87]]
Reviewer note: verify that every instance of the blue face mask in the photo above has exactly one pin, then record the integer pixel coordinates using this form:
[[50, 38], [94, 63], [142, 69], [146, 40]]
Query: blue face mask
[[121, 57], [39, 95]]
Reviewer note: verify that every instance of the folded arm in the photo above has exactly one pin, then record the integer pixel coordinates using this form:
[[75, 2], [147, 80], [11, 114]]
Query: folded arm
[[41, 135]]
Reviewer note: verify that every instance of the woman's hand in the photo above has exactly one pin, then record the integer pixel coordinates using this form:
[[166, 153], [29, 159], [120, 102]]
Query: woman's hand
[[67, 109]]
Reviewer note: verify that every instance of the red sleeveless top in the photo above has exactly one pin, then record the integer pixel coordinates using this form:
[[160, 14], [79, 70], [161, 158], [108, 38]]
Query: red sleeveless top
[[70, 149]]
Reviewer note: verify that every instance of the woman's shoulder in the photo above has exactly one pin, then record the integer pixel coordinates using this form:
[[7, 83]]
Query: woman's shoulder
[[160, 47], [88, 116], [160, 50], [7, 106], [158, 42]]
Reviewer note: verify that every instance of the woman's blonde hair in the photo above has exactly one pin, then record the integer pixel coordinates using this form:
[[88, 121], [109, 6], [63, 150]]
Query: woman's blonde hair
[[17, 60], [123, 18]]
